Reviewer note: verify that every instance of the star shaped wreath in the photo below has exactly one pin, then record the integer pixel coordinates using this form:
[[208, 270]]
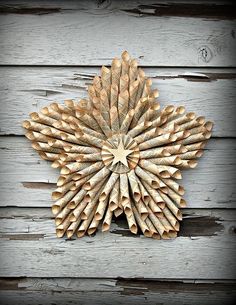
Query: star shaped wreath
[[118, 152]]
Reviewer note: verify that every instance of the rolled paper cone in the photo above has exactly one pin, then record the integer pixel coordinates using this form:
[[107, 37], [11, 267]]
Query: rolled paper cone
[[101, 209], [123, 106], [68, 157], [58, 164], [89, 169], [132, 223], [50, 112], [153, 95], [89, 139], [78, 210], [81, 149], [93, 194], [89, 157], [174, 186], [62, 215], [52, 132], [64, 179], [133, 89], [154, 207], [199, 129], [171, 218], [62, 202], [127, 208], [154, 195], [158, 141], [166, 224], [147, 135], [77, 199], [195, 146], [104, 104], [184, 119], [126, 122], [41, 118], [100, 175], [154, 153], [124, 189], [138, 111], [144, 194], [75, 167], [60, 108], [90, 122], [61, 229], [172, 160], [93, 226], [150, 114], [181, 135], [118, 211], [73, 227], [106, 78], [109, 185], [102, 123], [45, 147], [185, 164], [57, 143], [97, 84], [134, 186], [114, 117], [78, 183], [61, 190], [84, 225], [175, 149], [114, 95], [125, 63], [191, 154], [144, 228], [141, 209], [37, 137], [159, 121], [147, 87], [124, 83], [71, 139], [139, 128], [151, 227], [48, 156], [31, 125], [176, 113], [107, 220], [115, 71], [91, 92], [158, 225], [176, 198], [192, 122], [92, 132], [198, 137], [114, 196], [171, 127], [146, 177], [141, 78], [133, 70], [171, 206]]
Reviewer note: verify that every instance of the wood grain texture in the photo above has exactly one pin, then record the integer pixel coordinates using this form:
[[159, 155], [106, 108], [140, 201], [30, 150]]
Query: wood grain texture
[[189, 256], [32, 291], [207, 92], [94, 34], [26, 180]]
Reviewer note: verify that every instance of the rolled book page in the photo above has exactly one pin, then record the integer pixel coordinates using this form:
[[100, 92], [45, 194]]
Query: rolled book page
[[101, 209], [154, 194], [123, 108], [63, 126], [95, 192], [192, 123], [185, 164], [150, 114], [61, 229], [92, 132], [61, 190], [77, 199], [90, 122], [147, 88], [109, 185], [89, 157], [138, 111], [154, 153], [58, 164], [100, 175], [48, 156], [151, 227], [126, 122], [62, 202], [155, 208], [141, 209], [175, 113], [80, 182], [73, 227], [175, 149], [74, 167], [78, 210], [85, 168], [125, 63], [124, 83], [41, 146], [37, 137], [102, 123], [133, 89], [68, 157], [107, 220], [115, 71], [139, 128], [146, 135], [62, 215], [198, 137], [157, 141], [106, 78], [114, 117], [104, 105], [171, 218], [134, 186], [50, 112], [97, 84], [133, 70], [93, 226], [172, 207], [144, 194], [41, 118], [60, 108], [34, 126], [191, 155], [64, 179], [114, 95], [132, 223], [143, 174], [144, 228], [158, 225], [124, 189], [81, 149], [172, 160], [89, 139], [84, 225], [118, 211], [114, 196], [174, 186]]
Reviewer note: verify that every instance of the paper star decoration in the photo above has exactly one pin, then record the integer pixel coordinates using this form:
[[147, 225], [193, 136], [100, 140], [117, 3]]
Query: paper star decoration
[[118, 152]]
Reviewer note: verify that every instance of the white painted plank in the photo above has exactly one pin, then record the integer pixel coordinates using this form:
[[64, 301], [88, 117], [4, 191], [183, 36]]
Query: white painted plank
[[93, 34], [211, 184], [116, 254], [34, 291], [205, 91]]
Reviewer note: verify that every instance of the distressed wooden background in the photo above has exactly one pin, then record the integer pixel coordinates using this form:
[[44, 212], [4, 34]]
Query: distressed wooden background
[[50, 50]]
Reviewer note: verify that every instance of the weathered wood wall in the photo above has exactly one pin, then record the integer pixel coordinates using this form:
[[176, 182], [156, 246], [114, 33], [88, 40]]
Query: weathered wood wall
[[50, 50]]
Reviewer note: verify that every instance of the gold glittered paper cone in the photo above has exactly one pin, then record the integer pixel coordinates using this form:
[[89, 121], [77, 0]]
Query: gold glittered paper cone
[[118, 152]]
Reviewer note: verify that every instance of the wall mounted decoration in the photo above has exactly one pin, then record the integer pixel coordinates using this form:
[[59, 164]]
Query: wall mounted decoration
[[118, 152]]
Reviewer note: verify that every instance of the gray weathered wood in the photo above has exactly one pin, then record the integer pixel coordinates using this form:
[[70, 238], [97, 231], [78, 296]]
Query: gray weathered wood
[[94, 34], [205, 91], [27, 180], [33, 291], [117, 254]]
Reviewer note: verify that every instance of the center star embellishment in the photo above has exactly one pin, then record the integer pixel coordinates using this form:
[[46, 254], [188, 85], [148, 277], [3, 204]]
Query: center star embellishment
[[120, 154]]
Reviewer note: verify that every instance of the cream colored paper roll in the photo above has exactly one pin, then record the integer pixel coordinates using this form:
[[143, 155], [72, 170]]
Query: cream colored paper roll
[[109, 185], [94, 193], [102, 123], [114, 95], [151, 113], [89, 157], [175, 149], [139, 128], [62, 215], [146, 135], [76, 166], [106, 78], [50, 112], [89, 139], [101, 208], [71, 139], [158, 141], [191, 154], [147, 87], [146, 231], [63, 126], [192, 122], [40, 146], [37, 137], [171, 218], [154, 195], [115, 71], [158, 225], [77, 199], [178, 111], [62, 202], [89, 169], [133, 89], [92, 132], [64, 179], [138, 111], [186, 164], [90, 122], [134, 186], [133, 70], [60, 108], [79, 182], [114, 196], [198, 137], [34, 126], [72, 228], [97, 85], [146, 177], [144, 194], [118, 211], [155, 208], [174, 186], [78, 210], [61, 190], [151, 227], [141, 207], [170, 204], [132, 223], [41, 118], [124, 83], [154, 153], [125, 63], [123, 105], [58, 164], [68, 157], [61, 229], [195, 146], [126, 122], [100, 175], [107, 220], [114, 117], [172, 160], [84, 225], [48, 156], [81, 149], [124, 189], [93, 226]]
